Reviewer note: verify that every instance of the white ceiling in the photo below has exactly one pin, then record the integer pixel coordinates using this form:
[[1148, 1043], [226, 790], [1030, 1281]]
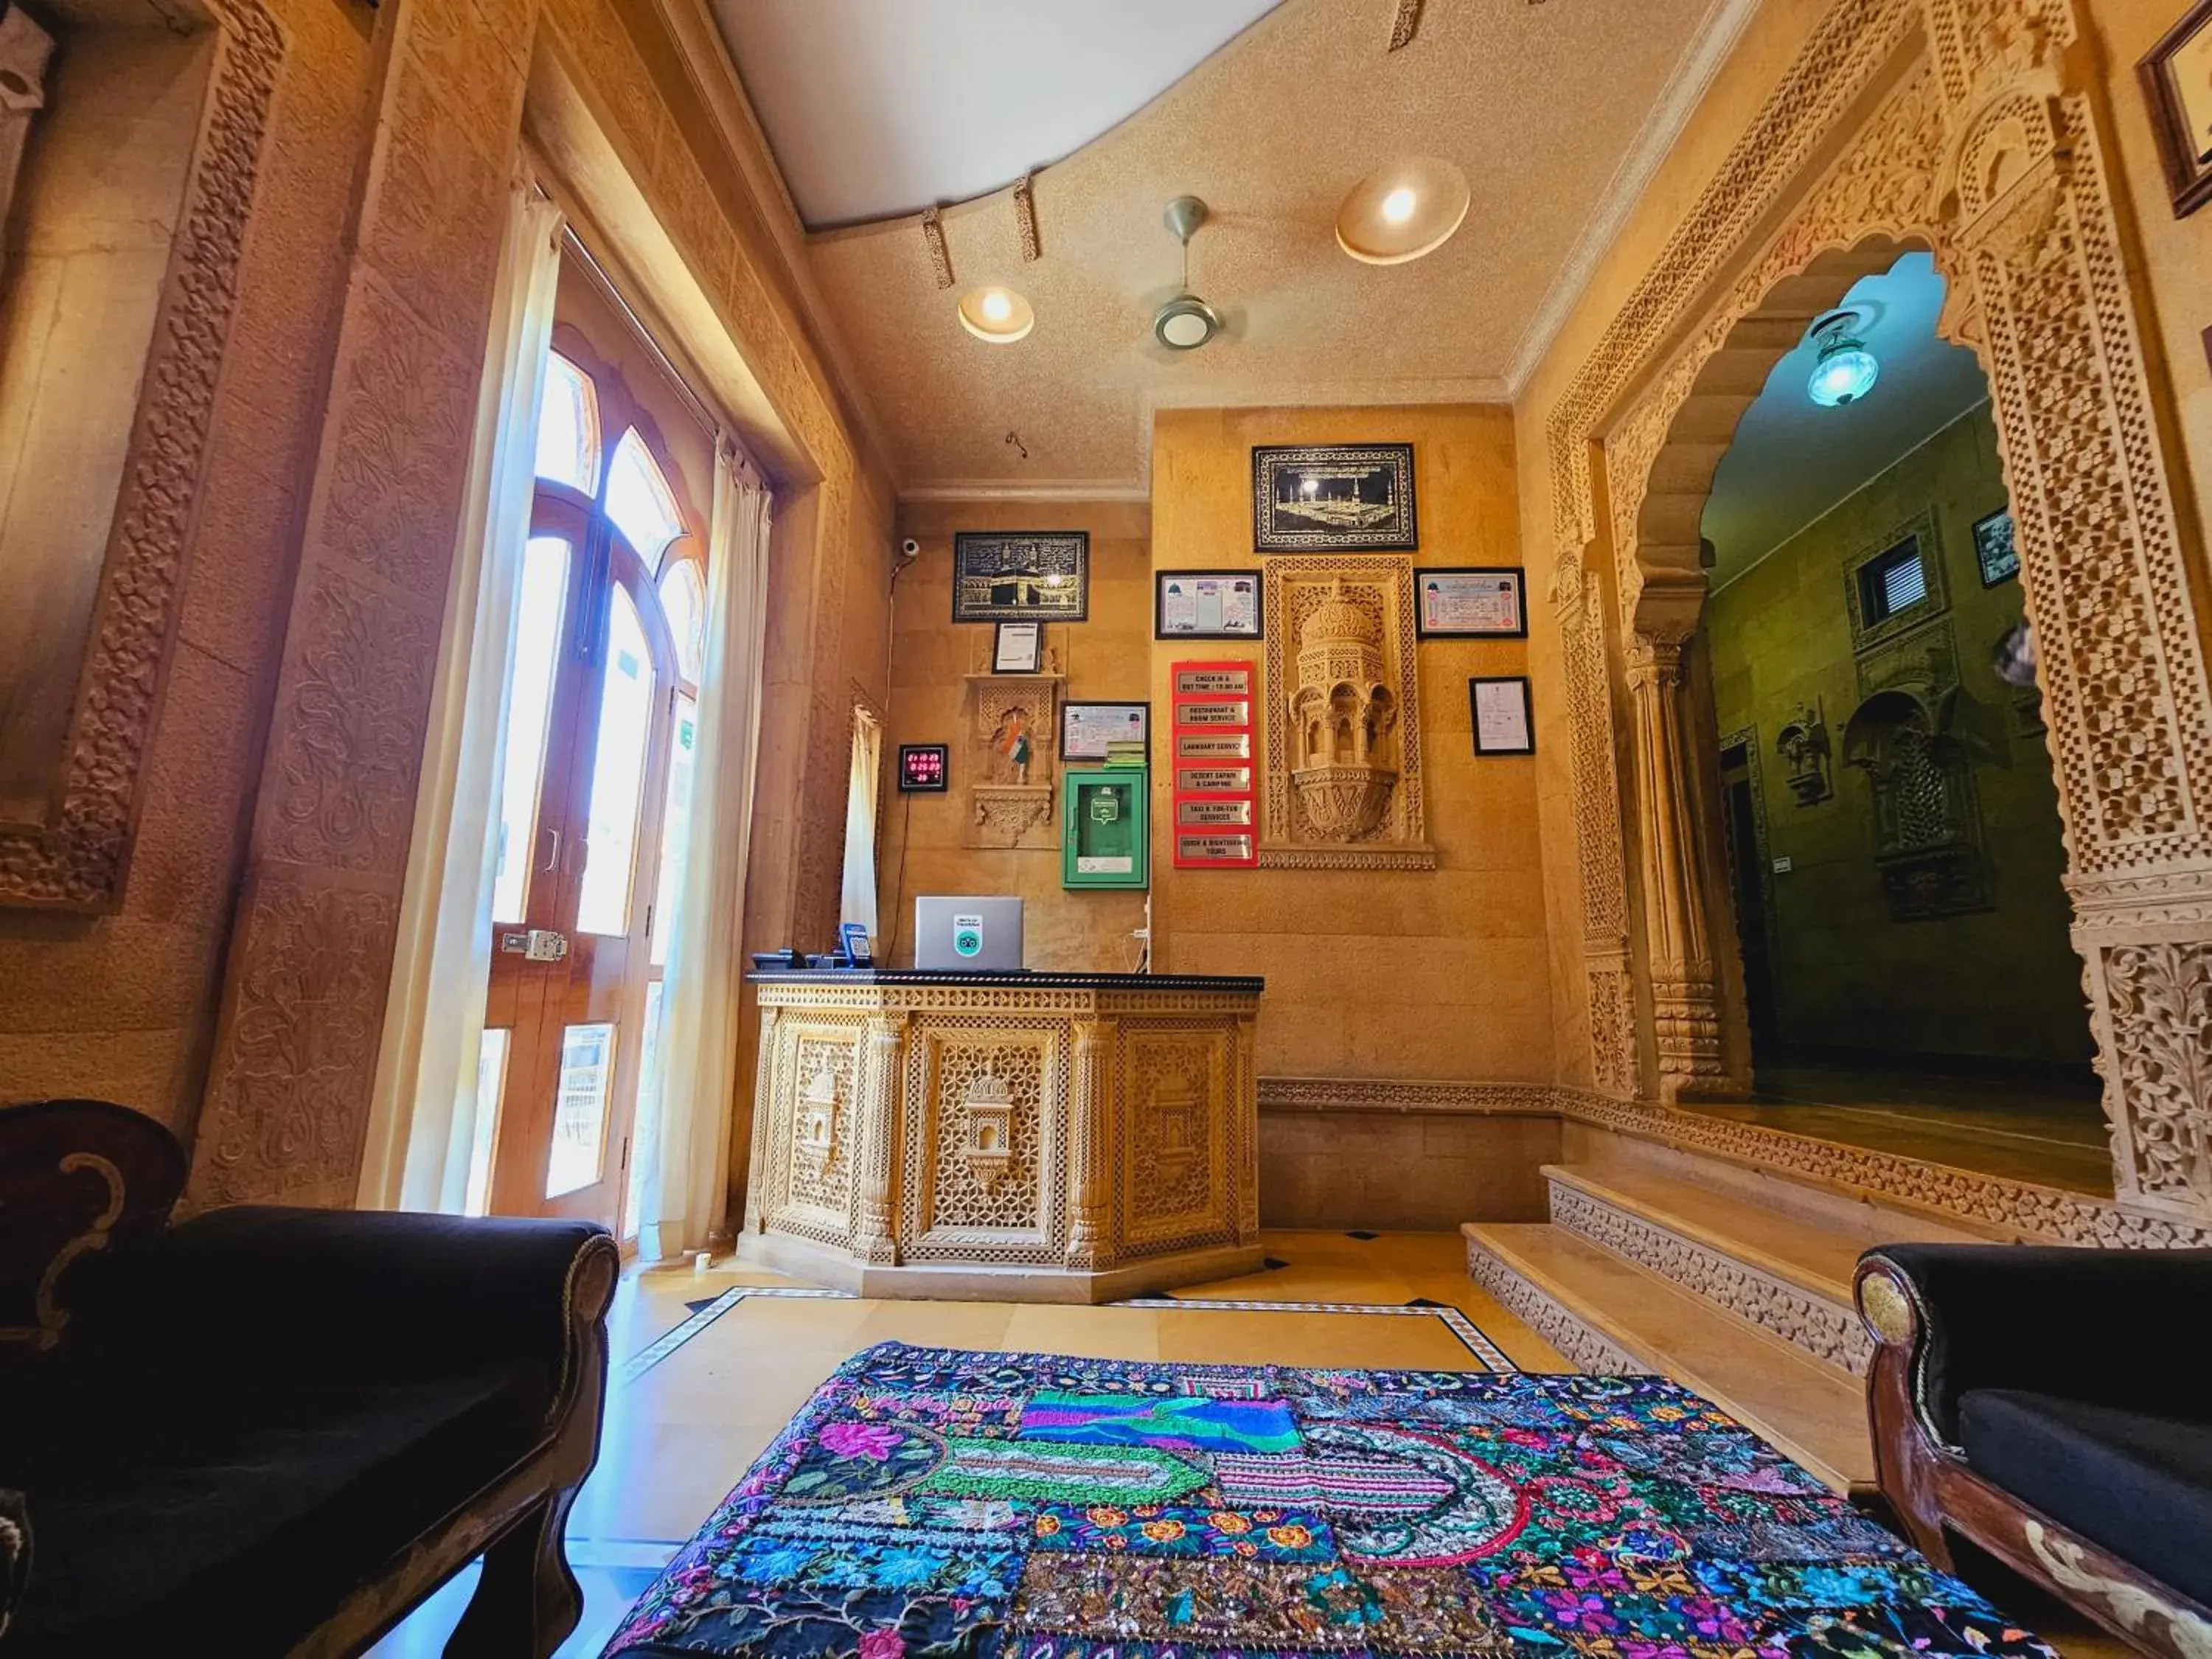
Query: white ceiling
[[877, 107], [1793, 460]]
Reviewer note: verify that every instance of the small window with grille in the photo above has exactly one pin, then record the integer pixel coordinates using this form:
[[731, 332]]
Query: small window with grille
[[1892, 582]]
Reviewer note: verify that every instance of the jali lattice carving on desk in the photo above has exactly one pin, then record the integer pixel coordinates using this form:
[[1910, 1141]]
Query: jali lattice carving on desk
[[983, 1161], [1178, 1088]]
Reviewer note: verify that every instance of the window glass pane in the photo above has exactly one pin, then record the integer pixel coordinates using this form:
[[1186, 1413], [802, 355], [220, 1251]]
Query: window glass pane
[[530, 705], [617, 774], [639, 503], [675, 824], [580, 1111], [491, 1088], [646, 1122], [685, 604], [568, 426], [1904, 585]]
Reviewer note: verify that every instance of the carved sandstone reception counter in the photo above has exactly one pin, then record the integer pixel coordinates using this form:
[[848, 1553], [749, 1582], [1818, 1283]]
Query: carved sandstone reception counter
[[1015, 1137]]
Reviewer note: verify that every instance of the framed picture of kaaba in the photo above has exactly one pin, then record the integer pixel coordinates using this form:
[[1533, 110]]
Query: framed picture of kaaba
[[1332, 498], [1021, 575]]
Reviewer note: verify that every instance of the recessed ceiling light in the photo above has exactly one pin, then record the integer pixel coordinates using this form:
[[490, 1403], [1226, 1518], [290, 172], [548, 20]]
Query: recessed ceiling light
[[996, 315], [1402, 211]]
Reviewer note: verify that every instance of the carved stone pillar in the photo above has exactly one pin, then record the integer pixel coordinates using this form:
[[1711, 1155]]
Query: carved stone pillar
[[876, 1141], [1245, 1136], [1685, 1006], [1091, 1149], [756, 1173]]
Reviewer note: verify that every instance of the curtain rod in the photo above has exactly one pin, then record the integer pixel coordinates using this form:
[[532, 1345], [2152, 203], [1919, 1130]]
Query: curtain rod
[[699, 409]]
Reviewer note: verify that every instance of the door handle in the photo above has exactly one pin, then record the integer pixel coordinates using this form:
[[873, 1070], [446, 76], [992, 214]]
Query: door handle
[[553, 854]]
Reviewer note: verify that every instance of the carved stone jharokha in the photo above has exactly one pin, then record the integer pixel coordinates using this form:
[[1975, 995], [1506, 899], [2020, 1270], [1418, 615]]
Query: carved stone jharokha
[[1343, 752], [1970, 127], [1342, 717], [1013, 743], [1040, 1139]]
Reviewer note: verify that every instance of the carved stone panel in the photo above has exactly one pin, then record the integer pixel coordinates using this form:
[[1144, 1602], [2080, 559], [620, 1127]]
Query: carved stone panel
[[1343, 737], [810, 1174], [987, 1112], [1013, 751], [1177, 1095]]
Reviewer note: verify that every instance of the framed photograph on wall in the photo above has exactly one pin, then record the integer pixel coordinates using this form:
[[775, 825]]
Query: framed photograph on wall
[[1994, 549], [1332, 498], [1021, 575], [1503, 722], [2177, 82], [1017, 648], [1207, 605], [1472, 604], [1089, 731]]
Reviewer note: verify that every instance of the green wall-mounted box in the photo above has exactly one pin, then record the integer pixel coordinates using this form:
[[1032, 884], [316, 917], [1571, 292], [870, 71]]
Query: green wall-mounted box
[[1105, 832]]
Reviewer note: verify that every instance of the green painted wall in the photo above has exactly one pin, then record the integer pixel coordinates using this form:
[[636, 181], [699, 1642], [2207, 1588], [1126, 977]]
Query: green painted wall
[[2001, 982]]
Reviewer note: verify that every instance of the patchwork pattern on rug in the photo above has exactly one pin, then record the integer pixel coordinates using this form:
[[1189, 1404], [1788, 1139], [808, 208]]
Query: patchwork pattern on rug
[[944, 1505]]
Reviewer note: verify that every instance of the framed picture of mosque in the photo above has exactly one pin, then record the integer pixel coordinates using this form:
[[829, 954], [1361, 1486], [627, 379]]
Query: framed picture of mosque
[[2177, 82], [1332, 498], [1021, 575]]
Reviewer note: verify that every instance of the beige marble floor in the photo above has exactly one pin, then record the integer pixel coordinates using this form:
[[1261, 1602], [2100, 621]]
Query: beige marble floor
[[680, 1433]]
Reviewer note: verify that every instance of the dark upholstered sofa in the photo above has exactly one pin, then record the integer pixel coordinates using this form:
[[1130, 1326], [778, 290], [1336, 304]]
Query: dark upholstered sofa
[[2053, 1407], [273, 1431]]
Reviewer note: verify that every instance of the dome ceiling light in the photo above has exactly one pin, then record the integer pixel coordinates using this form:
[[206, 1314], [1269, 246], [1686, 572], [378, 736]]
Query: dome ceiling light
[[1186, 322], [997, 316], [1402, 211], [1846, 370]]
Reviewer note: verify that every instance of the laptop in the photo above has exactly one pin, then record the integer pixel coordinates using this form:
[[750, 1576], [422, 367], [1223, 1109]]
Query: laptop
[[968, 935]]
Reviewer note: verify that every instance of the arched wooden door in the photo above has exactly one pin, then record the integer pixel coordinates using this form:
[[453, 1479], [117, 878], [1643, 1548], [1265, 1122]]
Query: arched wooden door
[[595, 805]]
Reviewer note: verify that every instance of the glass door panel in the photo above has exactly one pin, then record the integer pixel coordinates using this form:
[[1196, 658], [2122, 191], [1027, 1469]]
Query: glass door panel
[[540, 606], [579, 1112], [618, 769]]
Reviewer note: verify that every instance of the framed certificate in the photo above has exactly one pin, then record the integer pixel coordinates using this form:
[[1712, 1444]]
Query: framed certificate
[[1207, 604], [1502, 722], [1470, 603], [1017, 648], [1088, 731]]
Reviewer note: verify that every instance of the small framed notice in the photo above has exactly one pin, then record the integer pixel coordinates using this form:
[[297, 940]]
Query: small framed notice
[[1502, 722], [1091, 730], [1207, 604], [1471, 604], [1017, 649]]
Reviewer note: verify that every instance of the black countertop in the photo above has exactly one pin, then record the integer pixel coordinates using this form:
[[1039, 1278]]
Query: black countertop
[[1250, 985]]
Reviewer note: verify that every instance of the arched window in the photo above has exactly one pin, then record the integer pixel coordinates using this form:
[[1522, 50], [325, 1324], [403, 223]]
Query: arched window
[[594, 800]]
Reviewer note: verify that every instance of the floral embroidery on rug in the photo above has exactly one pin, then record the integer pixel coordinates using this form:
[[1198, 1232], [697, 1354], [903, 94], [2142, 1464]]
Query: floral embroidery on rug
[[933, 1504]]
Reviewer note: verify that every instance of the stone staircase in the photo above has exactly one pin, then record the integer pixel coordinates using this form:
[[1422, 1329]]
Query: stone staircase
[[1734, 1280]]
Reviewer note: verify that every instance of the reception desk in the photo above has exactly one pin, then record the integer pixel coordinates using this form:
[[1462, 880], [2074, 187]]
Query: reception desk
[[1004, 1137]]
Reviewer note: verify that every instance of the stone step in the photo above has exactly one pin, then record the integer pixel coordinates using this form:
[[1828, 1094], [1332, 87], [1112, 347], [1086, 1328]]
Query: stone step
[[1605, 1313], [1788, 1275]]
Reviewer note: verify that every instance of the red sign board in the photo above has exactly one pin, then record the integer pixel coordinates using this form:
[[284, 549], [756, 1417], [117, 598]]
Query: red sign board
[[1214, 766]]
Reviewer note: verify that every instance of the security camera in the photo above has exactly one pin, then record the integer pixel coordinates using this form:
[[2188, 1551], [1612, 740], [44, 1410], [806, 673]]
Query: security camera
[[911, 547]]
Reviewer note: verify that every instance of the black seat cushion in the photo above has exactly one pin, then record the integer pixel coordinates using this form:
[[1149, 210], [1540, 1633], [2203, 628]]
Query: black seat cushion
[[234, 1521], [2139, 1485]]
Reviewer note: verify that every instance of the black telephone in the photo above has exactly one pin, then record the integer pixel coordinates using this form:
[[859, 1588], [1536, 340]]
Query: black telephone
[[775, 962]]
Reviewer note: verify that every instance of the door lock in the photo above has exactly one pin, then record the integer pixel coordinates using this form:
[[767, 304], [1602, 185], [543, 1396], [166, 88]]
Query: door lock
[[535, 945]]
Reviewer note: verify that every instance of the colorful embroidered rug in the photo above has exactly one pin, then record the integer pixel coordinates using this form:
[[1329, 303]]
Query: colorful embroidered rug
[[936, 1503]]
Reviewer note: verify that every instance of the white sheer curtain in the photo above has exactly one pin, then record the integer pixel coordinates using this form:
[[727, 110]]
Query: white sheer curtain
[[687, 1174], [423, 1114], [859, 902]]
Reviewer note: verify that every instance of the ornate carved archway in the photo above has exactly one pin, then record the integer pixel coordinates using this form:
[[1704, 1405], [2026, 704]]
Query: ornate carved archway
[[1967, 126]]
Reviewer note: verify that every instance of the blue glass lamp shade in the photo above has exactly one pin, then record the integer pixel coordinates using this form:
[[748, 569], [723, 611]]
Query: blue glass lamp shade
[[1846, 371]]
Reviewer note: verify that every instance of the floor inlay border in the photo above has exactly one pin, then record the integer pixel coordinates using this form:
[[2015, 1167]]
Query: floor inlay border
[[1470, 1334]]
